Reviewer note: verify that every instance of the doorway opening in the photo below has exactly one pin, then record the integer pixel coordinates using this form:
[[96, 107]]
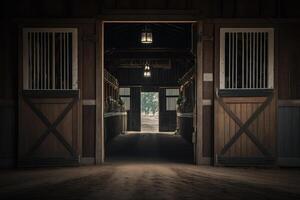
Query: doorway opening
[[149, 112], [149, 91]]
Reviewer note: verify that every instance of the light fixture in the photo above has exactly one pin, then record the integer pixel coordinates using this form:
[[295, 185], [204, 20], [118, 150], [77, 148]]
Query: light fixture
[[147, 71], [146, 36]]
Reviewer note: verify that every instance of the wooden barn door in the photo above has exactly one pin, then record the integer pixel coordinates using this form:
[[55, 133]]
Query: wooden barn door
[[245, 100], [48, 98]]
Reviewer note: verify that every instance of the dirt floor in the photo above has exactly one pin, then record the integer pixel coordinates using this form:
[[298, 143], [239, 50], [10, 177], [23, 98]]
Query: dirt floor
[[149, 123], [152, 172]]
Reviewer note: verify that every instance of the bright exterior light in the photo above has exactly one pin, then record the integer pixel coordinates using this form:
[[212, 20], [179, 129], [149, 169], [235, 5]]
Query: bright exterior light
[[146, 36], [147, 72]]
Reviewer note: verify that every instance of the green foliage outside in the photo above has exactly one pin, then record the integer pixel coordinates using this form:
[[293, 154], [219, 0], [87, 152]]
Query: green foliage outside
[[149, 102]]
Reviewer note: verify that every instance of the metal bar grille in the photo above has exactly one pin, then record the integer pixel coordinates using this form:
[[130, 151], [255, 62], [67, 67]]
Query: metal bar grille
[[246, 58], [50, 59]]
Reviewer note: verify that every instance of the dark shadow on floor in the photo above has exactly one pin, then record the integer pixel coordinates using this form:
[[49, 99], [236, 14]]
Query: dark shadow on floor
[[149, 147]]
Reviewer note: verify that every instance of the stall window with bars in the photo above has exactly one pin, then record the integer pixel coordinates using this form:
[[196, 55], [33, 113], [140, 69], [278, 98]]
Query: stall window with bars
[[171, 99], [50, 59], [246, 58], [125, 96]]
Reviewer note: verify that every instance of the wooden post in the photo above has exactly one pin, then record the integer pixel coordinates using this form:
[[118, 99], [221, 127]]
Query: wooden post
[[99, 150], [199, 95]]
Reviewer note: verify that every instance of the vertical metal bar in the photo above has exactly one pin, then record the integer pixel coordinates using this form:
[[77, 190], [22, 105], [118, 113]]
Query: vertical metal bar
[[61, 62], [263, 60], [38, 60], [33, 61], [229, 60], [236, 60], [29, 61], [250, 60], [246, 63], [68, 71], [260, 60], [53, 61], [45, 62], [233, 60], [64, 56], [48, 61], [42, 60], [253, 60], [257, 62], [265, 56], [243, 70]]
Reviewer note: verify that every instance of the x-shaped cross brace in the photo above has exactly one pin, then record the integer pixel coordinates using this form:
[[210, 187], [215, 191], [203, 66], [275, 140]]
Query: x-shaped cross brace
[[244, 126], [51, 127]]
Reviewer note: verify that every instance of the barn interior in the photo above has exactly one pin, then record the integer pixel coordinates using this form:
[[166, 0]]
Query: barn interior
[[65, 133], [148, 85]]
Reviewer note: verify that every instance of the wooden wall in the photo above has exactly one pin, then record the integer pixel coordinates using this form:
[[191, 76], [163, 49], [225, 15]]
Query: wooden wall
[[289, 94], [206, 8], [289, 133], [9, 89], [88, 87], [289, 70], [167, 119], [288, 47], [8, 94], [134, 114], [208, 88]]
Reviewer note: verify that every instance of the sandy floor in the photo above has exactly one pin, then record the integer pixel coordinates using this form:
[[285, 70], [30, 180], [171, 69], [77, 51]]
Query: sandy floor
[[158, 175]]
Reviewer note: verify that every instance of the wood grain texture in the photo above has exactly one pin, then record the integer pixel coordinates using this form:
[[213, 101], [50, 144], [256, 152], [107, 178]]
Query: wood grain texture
[[262, 128], [89, 133], [60, 138]]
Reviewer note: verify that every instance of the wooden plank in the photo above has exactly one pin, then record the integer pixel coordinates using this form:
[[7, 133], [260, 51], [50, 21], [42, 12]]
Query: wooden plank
[[50, 93], [88, 52], [248, 100], [244, 93], [244, 126], [207, 131], [89, 132], [199, 94], [228, 128], [99, 139], [51, 127], [289, 103]]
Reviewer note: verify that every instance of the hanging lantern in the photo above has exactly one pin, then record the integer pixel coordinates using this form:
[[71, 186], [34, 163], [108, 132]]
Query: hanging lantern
[[146, 36], [147, 71]]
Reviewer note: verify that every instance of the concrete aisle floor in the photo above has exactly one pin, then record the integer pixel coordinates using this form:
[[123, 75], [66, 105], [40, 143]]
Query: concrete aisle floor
[[151, 173]]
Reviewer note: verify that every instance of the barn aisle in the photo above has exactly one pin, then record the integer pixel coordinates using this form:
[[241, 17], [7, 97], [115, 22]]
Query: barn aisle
[[150, 181], [151, 147]]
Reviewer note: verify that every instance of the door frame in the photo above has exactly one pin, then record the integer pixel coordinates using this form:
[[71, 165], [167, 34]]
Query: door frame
[[159, 18]]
